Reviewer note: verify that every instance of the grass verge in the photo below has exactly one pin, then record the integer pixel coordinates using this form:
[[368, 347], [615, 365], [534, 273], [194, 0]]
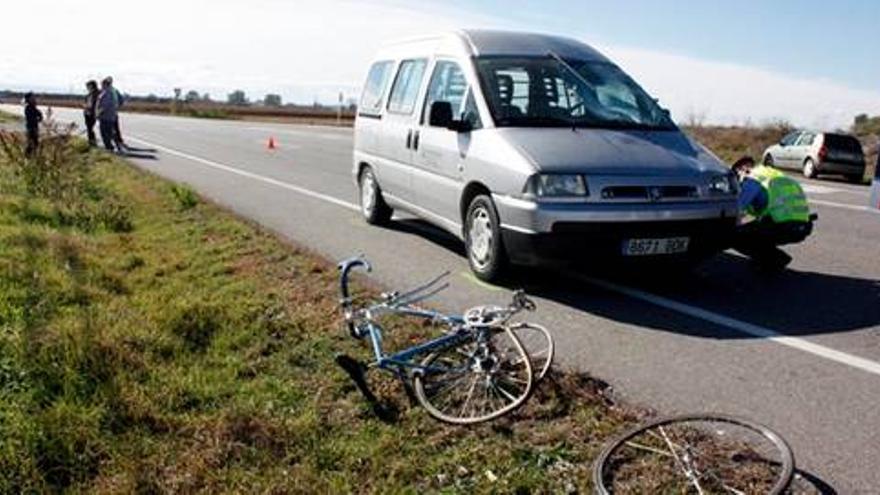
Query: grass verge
[[152, 342]]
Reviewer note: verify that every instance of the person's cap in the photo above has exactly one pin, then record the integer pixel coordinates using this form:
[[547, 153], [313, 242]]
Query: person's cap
[[743, 161]]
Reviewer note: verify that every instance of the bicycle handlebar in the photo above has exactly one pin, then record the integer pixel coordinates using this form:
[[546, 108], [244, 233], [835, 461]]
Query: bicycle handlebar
[[345, 267]]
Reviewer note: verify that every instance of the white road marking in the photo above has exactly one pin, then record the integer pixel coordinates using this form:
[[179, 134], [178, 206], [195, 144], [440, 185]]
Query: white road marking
[[249, 175], [844, 206], [686, 309], [814, 189], [740, 326]]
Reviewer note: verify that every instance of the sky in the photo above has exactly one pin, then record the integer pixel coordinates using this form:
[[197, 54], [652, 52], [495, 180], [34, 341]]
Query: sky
[[750, 61]]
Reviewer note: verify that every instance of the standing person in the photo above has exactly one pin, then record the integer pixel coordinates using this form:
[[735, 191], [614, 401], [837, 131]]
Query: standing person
[[106, 112], [32, 117], [89, 111], [780, 213], [120, 101]]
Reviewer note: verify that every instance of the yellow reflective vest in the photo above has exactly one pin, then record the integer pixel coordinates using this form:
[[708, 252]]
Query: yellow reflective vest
[[786, 201]]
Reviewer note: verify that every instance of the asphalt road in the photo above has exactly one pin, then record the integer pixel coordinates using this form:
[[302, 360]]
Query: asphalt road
[[799, 352]]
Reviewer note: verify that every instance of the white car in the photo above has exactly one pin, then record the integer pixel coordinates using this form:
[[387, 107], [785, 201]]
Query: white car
[[815, 153]]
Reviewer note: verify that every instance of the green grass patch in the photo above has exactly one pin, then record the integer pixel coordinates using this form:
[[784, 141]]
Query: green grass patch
[[156, 343], [8, 118]]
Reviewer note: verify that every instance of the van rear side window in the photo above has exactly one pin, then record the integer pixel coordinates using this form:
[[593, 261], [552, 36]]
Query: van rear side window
[[374, 90], [406, 86]]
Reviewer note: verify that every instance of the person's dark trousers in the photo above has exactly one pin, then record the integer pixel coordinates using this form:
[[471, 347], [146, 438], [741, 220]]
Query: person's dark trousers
[[90, 129], [33, 141], [118, 133], [107, 129], [760, 241]]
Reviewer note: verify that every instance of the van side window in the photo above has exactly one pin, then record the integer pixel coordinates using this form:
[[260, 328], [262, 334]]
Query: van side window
[[471, 113], [374, 90], [406, 86], [447, 84]]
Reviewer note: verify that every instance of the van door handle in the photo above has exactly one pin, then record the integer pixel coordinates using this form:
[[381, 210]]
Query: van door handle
[[416, 141], [409, 139]]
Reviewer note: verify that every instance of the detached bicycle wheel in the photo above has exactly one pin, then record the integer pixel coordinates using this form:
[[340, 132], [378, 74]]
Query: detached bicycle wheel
[[483, 377], [539, 345], [695, 454]]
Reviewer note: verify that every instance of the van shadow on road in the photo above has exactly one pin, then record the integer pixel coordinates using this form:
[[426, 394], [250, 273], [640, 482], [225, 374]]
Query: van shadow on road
[[794, 302]]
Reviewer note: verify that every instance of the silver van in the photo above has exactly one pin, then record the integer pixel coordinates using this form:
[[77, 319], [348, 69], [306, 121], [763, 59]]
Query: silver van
[[532, 147]]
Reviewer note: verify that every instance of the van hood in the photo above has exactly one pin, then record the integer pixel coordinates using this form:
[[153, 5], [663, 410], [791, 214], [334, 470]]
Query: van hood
[[613, 152]]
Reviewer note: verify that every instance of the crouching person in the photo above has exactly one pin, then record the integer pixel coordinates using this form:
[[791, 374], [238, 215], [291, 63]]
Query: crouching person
[[775, 213]]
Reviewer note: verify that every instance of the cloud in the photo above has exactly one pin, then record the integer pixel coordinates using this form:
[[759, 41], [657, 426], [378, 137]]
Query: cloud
[[312, 49], [735, 94]]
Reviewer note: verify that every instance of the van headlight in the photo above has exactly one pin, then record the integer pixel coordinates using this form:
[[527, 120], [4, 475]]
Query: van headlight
[[724, 184], [557, 186]]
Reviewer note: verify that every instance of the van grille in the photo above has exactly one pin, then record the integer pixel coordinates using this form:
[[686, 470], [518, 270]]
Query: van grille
[[649, 193]]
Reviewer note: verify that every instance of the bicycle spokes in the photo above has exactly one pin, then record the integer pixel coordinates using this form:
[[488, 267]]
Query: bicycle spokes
[[487, 375], [696, 455]]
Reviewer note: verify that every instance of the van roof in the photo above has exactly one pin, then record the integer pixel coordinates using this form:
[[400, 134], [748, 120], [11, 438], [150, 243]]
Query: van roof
[[485, 42], [510, 43]]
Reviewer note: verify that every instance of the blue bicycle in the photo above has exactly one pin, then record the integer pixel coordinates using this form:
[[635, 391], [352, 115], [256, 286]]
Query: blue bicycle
[[478, 370]]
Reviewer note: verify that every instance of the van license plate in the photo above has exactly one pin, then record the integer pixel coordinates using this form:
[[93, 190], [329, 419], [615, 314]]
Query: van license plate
[[649, 247]]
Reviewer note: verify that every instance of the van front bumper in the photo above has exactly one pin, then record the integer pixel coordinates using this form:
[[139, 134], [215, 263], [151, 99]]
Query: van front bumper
[[534, 232]]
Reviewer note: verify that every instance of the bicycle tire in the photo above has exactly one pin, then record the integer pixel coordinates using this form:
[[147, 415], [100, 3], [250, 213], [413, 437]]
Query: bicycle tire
[[515, 390], [786, 457], [542, 352]]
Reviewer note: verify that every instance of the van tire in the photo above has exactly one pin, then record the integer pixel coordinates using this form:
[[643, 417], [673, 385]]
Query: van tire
[[482, 238], [810, 169], [373, 206]]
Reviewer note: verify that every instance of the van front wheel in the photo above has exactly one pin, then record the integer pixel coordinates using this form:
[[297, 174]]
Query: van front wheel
[[373, 206], [482, 236]]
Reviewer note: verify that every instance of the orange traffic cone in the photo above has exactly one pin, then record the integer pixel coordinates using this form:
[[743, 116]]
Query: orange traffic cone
[[271, 144]]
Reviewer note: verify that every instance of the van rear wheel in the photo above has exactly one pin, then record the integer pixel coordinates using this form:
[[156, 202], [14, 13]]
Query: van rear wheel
[[482, 236], [373, 206]]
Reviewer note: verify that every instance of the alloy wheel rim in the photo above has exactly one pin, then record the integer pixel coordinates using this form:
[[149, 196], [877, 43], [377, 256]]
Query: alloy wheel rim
[[481, 239]]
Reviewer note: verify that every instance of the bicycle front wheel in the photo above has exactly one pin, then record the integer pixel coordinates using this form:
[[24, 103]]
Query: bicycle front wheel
[[698, 454], [539, 345], [486, 375]]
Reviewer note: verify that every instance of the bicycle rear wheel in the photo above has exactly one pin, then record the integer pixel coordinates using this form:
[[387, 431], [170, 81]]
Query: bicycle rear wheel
[[696, 454], [539, 345], [483, 377]]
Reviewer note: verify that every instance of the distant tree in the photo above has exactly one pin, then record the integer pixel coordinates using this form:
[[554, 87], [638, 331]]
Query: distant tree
[[272, 100], [237, 97], [192, 96], [206, 97], [152, 98], [177, 92], [861, 119]]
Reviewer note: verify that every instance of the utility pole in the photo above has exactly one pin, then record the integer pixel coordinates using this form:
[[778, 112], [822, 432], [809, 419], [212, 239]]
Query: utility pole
[[339, 110]]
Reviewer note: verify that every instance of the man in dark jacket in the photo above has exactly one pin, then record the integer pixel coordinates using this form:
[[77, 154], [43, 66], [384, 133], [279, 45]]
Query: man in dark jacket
[[120, 101], [105, 110], [32, 117], [89, 111]]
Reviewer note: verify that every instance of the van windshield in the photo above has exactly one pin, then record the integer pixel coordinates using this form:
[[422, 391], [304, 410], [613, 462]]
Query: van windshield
[[546, 92]]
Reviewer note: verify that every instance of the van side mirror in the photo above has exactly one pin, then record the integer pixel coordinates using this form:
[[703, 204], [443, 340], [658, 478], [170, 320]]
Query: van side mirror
[[440, 114]]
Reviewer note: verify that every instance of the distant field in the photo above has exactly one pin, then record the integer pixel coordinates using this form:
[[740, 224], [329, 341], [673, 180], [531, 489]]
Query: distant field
[[292, 114]]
